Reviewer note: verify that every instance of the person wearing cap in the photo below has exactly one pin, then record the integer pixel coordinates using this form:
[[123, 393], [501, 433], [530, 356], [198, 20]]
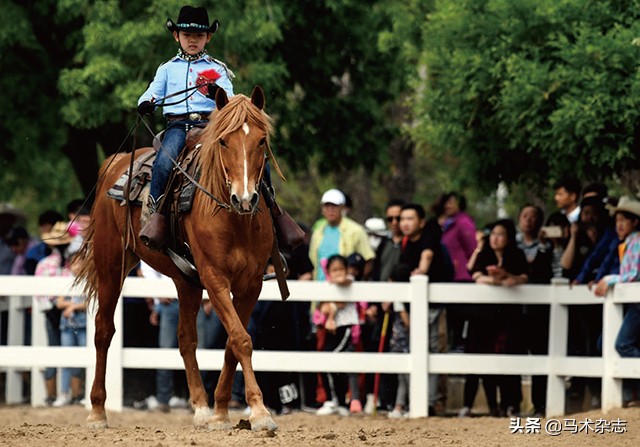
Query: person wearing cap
[[627, 344], [58, 239], [190, 67], [338, 234], [377, 231], [627, 215], [41, 250]]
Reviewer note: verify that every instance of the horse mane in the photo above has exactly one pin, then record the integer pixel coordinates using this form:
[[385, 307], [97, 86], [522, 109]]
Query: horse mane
[[231, 117]]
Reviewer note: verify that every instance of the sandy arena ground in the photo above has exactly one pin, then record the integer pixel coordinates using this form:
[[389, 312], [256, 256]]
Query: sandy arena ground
[[25, 426]]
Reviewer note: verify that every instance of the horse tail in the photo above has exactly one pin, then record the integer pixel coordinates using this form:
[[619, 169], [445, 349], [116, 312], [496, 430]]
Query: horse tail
[[87, 277]]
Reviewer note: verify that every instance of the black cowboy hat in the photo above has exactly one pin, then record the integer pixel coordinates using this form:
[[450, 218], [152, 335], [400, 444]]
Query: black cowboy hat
[[193, 20]]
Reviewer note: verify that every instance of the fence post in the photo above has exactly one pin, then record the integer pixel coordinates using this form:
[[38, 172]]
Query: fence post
[[612, 320], [558, 336], [419, 346], [15, 337], [38, 338]]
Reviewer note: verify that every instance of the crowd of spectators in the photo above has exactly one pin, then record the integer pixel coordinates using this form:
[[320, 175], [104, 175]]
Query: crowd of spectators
[[591, 238]]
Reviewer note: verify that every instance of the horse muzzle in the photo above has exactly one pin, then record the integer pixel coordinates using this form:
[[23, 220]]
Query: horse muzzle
[[247, 204]]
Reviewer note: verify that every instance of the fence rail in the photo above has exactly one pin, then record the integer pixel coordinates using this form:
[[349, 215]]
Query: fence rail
[[19, 293]]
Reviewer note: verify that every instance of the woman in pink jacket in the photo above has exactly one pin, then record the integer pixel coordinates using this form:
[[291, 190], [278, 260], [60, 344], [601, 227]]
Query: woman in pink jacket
[[458, 233]]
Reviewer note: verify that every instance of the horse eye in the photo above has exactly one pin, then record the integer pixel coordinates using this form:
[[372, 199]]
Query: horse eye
[[222, 143], [263, 142]]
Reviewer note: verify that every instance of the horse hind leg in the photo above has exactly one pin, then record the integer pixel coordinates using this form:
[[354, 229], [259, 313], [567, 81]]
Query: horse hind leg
[[108, 260]]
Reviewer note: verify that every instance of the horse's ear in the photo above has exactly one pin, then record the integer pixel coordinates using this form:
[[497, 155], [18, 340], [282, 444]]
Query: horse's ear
[[221, 98], [257, 97]]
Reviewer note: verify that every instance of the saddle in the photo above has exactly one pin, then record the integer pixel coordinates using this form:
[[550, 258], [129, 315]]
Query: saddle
[[181, 194], [133, 187]]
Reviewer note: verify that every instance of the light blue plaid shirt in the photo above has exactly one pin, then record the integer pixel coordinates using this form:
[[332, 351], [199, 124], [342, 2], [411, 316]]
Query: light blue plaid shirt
[[177, 74]]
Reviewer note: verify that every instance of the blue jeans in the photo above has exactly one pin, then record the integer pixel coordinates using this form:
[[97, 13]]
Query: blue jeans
[[628, 339], [211, 333], [167, 338], [172, 144], [70, 336]]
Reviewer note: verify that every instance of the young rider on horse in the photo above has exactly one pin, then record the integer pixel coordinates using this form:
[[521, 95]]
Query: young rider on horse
[[188, 109], [192, 66]]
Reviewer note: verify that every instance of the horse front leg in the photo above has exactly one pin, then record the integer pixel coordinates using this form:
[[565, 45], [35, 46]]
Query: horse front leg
[[242, 348], [235, 318], [190, 300], [105, 328]]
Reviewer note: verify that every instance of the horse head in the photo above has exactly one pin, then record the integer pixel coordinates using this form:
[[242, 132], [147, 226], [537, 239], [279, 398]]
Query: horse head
[[240, 135]]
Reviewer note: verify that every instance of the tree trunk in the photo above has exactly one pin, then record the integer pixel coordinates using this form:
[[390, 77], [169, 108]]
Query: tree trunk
[[82, 150], [357, 184], [400, 182]]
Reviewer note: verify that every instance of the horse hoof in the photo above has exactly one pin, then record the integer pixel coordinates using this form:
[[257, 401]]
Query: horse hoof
[[96, 422], [202, 417], [263, 423]]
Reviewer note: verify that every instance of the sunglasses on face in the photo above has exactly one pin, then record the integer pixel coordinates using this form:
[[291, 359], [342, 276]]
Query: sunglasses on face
[[392, 218]]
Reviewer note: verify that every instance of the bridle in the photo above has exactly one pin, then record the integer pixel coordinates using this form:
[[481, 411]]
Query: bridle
[[227, 182]]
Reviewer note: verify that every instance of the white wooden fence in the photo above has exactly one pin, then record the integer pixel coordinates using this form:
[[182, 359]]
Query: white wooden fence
[[556, 365]]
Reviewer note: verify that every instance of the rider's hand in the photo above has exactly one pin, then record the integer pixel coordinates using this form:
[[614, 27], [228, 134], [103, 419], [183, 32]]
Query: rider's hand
[[212, 89], [146, 108]]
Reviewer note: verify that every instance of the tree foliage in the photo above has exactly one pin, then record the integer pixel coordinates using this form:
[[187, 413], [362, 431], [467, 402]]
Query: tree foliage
[[527, 90], [501, 90], [78, 67]]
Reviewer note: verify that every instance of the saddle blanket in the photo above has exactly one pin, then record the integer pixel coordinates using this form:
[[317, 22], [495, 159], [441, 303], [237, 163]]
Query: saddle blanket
[[140, 183]]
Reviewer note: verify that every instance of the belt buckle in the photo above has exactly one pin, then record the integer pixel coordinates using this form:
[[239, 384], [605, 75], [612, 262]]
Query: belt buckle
[[195, 117]]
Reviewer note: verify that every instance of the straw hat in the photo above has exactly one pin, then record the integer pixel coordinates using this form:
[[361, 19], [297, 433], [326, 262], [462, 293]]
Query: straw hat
[[628, 204], [59, 235]]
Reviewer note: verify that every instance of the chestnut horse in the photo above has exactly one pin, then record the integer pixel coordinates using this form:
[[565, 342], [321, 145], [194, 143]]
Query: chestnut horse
[[230, 233]]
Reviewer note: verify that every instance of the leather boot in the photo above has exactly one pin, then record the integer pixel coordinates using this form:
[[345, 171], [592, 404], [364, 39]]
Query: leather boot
[[288, 232], [154, 232]]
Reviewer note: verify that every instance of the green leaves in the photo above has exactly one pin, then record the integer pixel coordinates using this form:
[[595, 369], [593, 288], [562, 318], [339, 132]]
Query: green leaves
[[551, 83]]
